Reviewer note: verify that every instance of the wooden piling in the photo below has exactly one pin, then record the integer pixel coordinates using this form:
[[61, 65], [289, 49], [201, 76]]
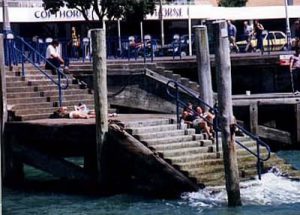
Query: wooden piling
[[297, 112], [3, 110], [100, 93], [203, 64], [253, 114], [223, 70]]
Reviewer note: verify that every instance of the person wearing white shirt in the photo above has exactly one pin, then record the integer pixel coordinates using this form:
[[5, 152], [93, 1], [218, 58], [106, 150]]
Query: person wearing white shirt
[[53, 58]]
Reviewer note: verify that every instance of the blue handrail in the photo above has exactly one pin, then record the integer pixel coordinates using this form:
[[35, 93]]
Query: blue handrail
[[61, 86], [181, 88]]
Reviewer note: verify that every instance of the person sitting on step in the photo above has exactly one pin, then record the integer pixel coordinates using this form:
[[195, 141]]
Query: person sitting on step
[[197, 119]]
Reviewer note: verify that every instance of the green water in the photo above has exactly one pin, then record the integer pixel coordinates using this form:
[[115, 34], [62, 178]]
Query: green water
[[273, 195]]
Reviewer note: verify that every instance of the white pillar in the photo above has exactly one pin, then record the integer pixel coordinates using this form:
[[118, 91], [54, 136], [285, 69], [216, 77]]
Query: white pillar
[[288, 29], [190, 32], [6, 23]]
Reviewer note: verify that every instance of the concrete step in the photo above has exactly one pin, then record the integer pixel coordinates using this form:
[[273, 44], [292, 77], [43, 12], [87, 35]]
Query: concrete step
[[46, 93], [247, 143], [26, 88], [28, 77], [181, 145], [34, 116], [34, 83], [217, 179], [207, 169], [162, 134], [151, 129], [14, 95], [76, 97], [23, 89], [66, 98], [149, 122], [192, 158], [25, 100], [166, 140], [186, 151], [32, 106]]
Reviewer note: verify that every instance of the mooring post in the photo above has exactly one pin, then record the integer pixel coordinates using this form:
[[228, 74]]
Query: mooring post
[[223, 71], [297, 112], [3, 108], [100, 93], [203, 63], [253, 110]]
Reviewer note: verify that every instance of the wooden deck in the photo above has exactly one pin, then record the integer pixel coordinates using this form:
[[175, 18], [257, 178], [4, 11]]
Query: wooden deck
[[266, 99]]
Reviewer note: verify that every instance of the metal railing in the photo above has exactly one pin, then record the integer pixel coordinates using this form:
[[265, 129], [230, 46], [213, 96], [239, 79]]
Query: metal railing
[[21, 56], [259, 143], [179, 88]]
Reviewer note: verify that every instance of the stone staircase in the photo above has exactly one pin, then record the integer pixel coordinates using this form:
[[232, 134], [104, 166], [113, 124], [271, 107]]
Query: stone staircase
[[36, 97], [195, 155], [132, 67]]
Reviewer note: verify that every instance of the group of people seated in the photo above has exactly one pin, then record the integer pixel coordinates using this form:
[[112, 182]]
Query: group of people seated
[[198, 119]]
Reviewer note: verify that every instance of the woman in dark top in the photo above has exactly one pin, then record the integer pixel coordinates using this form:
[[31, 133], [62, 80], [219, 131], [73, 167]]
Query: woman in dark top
[[258, 28]]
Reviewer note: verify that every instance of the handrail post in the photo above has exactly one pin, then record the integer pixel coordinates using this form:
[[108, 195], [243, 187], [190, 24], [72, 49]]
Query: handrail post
[[177, 103], [59, 89], [258, 165], [144, 50], [22, 59], [215, 125], [152, 51]]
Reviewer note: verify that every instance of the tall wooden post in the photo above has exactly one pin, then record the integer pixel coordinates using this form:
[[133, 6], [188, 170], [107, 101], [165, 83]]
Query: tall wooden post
[[3, 108], [253, 110], [100, 93], [203, 62], [223, 68], [297, 113]]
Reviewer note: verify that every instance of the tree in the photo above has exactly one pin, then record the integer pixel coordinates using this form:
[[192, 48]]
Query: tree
[[232, 3], [130, 10]]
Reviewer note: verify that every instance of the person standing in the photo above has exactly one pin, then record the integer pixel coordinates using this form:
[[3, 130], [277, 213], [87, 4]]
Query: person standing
[[297, 34], [258, 29], [53, 58], [232, 35], [75, 43], [248, 32], [295, 71]]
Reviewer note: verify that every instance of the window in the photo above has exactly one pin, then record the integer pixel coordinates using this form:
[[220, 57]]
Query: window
[[279, 35]]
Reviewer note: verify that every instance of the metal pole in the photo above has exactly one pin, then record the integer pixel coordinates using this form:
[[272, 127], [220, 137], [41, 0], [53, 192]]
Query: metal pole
[[6, 23], [119, 37], [190, 32], [288, 29], [142, 32], [161, 23]]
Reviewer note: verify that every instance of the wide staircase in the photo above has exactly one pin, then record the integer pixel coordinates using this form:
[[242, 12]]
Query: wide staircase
[[36, 97], [196, 156]]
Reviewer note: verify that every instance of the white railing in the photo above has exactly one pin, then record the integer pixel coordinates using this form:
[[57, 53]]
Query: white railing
[[25, 3]]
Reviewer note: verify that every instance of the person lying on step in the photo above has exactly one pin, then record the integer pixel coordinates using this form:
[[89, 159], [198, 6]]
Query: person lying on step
[[63, 112]]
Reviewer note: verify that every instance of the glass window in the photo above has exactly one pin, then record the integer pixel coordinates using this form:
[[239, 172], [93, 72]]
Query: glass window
[[279, 36], [270, 36]]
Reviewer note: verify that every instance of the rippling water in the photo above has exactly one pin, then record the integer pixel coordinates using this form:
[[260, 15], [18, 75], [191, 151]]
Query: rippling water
[[272, 195]]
